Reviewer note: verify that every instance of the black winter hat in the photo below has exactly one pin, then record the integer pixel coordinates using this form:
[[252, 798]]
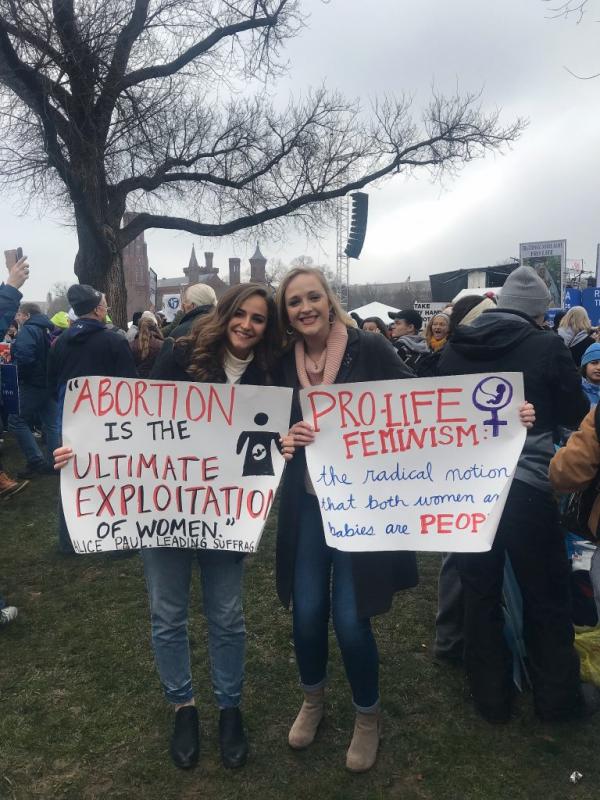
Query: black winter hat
[[83, 298]]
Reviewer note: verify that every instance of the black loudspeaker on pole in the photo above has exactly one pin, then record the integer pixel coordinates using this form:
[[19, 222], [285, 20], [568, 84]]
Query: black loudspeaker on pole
[[358, 224]]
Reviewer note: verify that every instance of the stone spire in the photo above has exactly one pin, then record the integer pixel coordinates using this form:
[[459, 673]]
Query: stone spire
[[257, 266], [192, 271]]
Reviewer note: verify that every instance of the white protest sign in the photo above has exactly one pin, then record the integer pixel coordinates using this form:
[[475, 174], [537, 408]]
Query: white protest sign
[[423, 464], [171, 305], [170, 464], [428, 310]]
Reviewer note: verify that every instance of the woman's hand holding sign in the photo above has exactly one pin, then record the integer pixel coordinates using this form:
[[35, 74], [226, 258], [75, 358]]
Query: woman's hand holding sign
[[62, 456], [527, 414], [287, 446], [302, 433]]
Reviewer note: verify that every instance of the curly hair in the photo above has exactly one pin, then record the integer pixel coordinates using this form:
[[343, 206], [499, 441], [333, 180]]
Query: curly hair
[[332, 298], [147, 330], [204, 347]]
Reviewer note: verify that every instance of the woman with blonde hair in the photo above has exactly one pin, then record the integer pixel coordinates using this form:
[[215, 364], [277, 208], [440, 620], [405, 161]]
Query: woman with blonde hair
[[319, 580], [575, 330], [436, 332]]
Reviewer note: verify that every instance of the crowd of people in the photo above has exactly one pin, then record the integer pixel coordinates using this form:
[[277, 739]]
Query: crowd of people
[[299, 338]]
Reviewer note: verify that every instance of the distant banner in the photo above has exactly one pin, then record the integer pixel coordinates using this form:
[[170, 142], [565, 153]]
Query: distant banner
[[421, 464], [549, 259], [428, 310], [170, 464]]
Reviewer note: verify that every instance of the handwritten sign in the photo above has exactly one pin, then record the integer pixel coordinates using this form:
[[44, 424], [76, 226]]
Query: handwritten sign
[[170, 464], [422, 464]]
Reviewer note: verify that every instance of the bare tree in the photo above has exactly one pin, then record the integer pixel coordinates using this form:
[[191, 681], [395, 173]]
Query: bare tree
[[149, 104], [567, 8]]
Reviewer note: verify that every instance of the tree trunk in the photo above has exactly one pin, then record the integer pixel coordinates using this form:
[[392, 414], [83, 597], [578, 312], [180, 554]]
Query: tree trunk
[[100, 264]]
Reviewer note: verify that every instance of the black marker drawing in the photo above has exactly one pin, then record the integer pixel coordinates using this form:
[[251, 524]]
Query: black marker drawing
[[258, 460]]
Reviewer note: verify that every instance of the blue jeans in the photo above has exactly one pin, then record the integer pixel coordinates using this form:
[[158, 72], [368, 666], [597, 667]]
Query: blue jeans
[[323, 582], [36, 403], [168, 574]]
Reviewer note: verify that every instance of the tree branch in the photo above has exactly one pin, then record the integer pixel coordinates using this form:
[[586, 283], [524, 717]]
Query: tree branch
[[200, 48]]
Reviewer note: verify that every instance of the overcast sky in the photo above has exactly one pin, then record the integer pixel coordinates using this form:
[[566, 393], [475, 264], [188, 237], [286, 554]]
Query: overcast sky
[[545, 187]]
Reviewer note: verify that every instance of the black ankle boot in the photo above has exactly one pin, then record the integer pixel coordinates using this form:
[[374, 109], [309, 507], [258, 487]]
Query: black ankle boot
[[185, 742], [232, 739]]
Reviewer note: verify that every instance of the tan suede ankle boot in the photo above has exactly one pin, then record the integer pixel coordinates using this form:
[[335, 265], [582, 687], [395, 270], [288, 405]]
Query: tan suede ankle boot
[[303, 731], [363, 748]]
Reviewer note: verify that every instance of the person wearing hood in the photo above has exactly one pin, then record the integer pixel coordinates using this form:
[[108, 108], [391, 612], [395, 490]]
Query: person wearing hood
[[60, 322], [87, 348], [406, 337], [509, 339], [590, 373], [575, 329], [30, 352], [198, 300]]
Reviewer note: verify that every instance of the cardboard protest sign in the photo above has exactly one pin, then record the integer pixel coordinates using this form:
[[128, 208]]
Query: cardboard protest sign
[[170, 464], [422, 464]]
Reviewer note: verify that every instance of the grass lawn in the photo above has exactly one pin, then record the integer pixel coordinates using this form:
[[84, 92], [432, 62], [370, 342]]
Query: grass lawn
[[82, 715]]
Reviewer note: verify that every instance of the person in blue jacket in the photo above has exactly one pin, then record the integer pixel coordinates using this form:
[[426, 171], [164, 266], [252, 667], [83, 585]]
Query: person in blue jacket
[[30, 353]]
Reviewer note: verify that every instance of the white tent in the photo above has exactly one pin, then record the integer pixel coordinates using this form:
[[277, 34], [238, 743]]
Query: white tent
[[375, 309], [496, 290]]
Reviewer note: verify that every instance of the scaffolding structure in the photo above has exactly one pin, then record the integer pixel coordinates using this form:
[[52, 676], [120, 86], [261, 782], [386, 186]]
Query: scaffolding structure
[[342, 266]]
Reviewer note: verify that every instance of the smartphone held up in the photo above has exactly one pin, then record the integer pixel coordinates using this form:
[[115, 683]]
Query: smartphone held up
[[12, 256]]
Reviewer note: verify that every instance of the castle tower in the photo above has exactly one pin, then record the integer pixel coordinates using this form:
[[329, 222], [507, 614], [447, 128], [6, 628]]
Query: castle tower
[[192, 271], [257, 266]]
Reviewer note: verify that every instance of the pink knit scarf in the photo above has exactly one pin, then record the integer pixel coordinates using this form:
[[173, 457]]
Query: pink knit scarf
[[336, 347]]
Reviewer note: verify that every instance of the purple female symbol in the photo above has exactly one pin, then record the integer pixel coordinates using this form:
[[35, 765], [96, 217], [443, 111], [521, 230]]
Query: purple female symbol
[[493, 394]]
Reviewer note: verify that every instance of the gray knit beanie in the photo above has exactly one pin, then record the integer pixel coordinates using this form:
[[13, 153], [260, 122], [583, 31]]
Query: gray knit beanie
[[525, 291]]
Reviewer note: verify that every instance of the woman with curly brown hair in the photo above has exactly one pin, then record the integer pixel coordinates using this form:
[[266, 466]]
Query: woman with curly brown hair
[[235, 343]]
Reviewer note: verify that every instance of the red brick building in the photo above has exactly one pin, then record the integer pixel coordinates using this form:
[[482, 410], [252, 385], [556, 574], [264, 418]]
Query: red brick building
[[136, 269]]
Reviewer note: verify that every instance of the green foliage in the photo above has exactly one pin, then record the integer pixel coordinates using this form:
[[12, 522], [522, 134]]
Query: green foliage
[[82, 716]]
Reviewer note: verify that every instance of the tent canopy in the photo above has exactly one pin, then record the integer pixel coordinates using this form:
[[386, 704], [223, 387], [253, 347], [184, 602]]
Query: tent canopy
[[374, 309]]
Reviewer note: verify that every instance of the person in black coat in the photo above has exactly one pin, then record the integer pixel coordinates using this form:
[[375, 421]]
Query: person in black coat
[[323, 349], [198, 300], [86, 348], [509, 339]]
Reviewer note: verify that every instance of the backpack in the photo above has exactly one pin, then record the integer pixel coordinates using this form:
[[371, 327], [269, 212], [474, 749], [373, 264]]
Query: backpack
[[576, 513], [410, 357]]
